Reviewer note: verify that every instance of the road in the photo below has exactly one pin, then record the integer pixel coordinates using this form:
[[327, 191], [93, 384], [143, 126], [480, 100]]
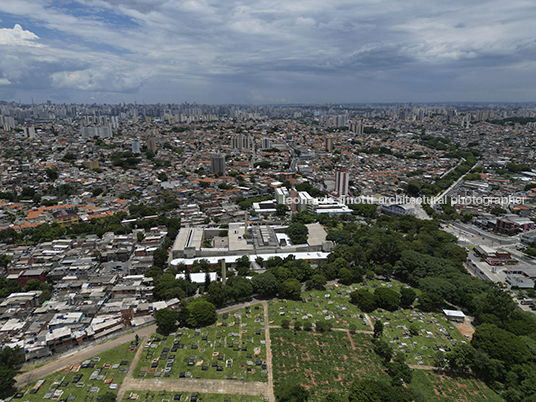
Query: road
[[69, 360]]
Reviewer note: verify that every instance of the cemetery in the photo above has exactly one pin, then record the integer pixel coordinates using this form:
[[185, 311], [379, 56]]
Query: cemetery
[[84, 382], [233, 348], [331, 305]]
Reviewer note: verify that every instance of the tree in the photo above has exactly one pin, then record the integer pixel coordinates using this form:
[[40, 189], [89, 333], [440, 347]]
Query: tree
[[307, 325], [291, 393], [340, 237], [160, 257], [407, 296], [292, 288], [364, 300], [207, 280], [52, 174], [346, 276], [399, 371], [10, 361], [239, 288], [265, 284], [387, 298], [461, 358], [162, 176], [281, 210], [378, 329], [243, 265], [318, 281], [166, 320], [285, 323], [201, 313], [297, 325], [108, 397], [429, 301], [377, 391], [382, 349], [216, 293], [297, 232], [500, 344]]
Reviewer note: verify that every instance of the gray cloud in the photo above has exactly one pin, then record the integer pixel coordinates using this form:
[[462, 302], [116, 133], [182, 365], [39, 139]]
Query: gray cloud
[[266, 51]]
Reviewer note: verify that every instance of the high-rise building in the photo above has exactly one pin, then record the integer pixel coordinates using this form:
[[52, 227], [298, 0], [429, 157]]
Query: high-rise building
[[356, 127], [29, 132], [217, 164], [265, 143], [102, 132], [329, 144], [136, 146], [341, 183], [241, 141], [151, 144]]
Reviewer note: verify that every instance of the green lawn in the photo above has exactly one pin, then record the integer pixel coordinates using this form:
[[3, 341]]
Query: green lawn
[[61, 382], [435, 387], [221, 344], [336, 307], [433, 328], [322, 362], [155, 396]]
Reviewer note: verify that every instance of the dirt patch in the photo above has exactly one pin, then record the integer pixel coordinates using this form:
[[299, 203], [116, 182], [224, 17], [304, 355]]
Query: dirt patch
[[351, 340], [465, 328]]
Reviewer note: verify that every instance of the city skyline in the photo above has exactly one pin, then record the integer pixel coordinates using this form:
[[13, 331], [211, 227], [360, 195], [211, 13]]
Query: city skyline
[[113, 51]]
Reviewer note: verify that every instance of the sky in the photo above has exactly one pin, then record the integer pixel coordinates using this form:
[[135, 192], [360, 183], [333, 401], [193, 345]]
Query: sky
[[267, 51]]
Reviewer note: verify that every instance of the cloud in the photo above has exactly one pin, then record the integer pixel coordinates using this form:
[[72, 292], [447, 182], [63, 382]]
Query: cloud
[[299, 50], [18, 37], [4, 81]]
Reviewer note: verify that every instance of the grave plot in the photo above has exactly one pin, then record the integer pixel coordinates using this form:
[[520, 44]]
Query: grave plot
[[86, 381], [166, 396], [435, 387], [417, 334], [323, 362], [233, 348], [332, 305]]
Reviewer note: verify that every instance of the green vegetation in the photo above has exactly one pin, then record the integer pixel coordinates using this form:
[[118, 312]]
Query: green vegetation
[[226, 343], [113, 365]]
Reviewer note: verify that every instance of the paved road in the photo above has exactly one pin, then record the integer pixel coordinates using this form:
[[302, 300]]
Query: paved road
[[67, 361]]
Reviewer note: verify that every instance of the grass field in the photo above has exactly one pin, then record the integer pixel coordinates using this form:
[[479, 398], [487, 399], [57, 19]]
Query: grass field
[[333, 305], [155, 396], [113, 365], [435, 387], [434, 332], [233, 348], [323, 362]]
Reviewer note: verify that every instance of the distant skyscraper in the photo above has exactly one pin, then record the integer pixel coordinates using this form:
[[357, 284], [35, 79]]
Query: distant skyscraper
[[341, 182], [356, 127], [217, 164], [329, 144], [30, 132], [136, 146], [151, 144], [266, 143], [102, 132], [241, 141]]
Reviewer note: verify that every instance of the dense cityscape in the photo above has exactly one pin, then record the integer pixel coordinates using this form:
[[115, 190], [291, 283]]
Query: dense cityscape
[[116, 219]]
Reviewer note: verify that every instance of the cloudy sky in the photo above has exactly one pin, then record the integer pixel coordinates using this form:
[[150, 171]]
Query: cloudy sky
[[267, 51]]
